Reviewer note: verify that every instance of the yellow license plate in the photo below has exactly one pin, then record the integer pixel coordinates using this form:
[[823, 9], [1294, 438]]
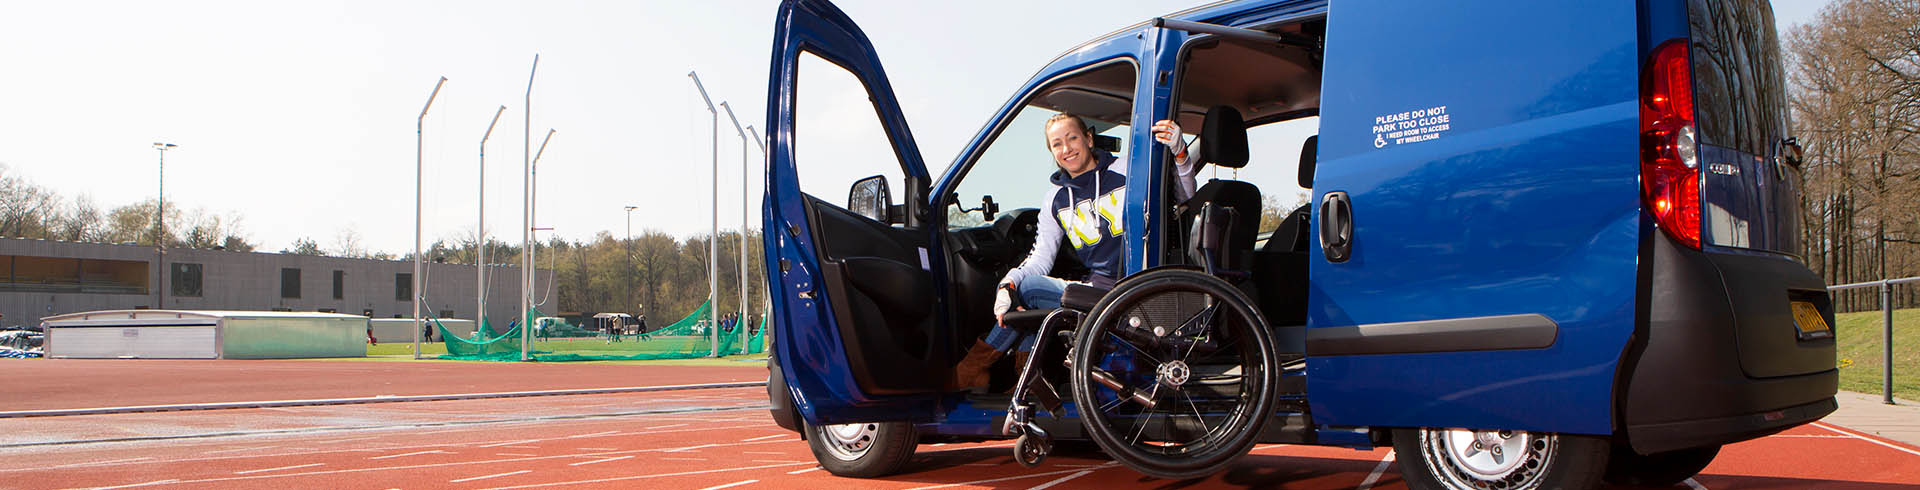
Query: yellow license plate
[[1807, 319]]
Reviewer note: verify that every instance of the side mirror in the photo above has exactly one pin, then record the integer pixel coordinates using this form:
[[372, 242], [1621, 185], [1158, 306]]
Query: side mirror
[[870, 197]]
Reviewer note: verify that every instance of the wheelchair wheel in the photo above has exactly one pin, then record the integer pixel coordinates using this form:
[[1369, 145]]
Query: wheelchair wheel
[[1175, 374]]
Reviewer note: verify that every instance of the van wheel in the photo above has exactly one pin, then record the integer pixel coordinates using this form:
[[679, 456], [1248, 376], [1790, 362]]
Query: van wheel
[[1659, 469], [863, 450], [1498, 459]]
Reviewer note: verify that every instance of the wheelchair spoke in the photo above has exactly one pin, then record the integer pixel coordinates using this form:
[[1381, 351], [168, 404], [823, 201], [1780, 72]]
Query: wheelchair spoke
[[1196, 412], [1122, 341], [1142, 426]]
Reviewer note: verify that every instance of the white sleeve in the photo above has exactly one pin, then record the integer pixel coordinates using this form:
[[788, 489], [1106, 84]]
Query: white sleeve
[[1046, 243], [1185, 172]]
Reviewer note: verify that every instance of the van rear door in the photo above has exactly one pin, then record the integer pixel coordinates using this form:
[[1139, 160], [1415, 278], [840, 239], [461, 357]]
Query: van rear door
[[1750, 195], [1477, 209]]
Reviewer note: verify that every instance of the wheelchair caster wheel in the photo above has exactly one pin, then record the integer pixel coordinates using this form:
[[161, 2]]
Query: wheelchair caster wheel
[[1029, 451]]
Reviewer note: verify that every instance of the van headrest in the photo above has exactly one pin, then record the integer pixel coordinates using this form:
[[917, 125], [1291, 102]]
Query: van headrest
[[1223, 137], [1309, 155]]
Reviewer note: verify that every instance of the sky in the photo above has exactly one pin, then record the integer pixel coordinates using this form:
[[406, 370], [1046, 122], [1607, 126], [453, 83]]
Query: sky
[[301, 116]]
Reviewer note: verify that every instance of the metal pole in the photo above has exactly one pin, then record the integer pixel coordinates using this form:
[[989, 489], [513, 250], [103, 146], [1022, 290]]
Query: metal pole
[[480, 243], [526, 210], [713, 264], [160, 240], [533, 209], [1886, 342], [766, 302], [630, 256], [419, 187], [740, 322]]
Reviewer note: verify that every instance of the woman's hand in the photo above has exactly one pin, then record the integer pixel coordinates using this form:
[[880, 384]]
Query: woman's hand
[[1003, 302], [1168, 133]]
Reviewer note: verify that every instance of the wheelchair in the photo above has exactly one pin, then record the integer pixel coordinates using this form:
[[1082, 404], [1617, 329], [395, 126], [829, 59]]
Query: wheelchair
[[1175, 370]]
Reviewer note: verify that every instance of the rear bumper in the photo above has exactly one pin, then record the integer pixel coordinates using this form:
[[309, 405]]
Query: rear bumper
[[1715, 363]]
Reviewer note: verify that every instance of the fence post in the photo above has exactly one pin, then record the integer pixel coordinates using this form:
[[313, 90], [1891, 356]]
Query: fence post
[[1886, 346]]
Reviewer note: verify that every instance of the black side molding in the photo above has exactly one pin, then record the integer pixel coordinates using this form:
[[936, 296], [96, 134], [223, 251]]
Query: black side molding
[[1504, 332]]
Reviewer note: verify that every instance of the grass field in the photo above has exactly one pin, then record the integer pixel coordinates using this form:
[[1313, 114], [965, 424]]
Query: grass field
[[1860, 340], [404, 350]]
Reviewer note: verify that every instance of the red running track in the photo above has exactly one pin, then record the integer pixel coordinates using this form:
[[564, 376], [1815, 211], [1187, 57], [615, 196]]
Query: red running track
[[724, 438]]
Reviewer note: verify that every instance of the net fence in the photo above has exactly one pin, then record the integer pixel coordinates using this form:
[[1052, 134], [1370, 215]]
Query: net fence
[[556, 340]]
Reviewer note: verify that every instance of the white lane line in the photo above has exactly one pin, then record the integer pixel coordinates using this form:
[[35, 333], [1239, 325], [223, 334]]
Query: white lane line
[[602, 460], [494, 462], [597, 449], [730, 485], [796, 472], [511, 473], [1377, 470], [509, 443], [642, 477], [415, 453], [1263, 447], [238, 450], [264, 470], [151, 483], [1010, 478], [781, 453], [596, 434], [666, 426], [1693, 484], [1061, 479], [1811, 436], [683, 459], [347, 440], [689, 448], [514, 454], [100, 463], [775, 436], [776, 461], [1868, 439]]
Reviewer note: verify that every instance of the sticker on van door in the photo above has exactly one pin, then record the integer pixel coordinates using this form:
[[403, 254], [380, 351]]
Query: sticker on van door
[[1412, 126]]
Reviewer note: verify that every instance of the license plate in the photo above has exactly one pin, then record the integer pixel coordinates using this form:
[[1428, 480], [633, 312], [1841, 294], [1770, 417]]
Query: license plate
[[1807, 320]]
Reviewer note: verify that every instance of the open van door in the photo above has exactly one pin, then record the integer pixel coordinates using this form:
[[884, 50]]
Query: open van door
[[1476, 217], [861, 335]]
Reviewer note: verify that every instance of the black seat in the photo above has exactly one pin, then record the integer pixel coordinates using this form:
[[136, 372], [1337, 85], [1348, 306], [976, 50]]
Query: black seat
[[1222, 218], [1280, 267], [1291, 235]]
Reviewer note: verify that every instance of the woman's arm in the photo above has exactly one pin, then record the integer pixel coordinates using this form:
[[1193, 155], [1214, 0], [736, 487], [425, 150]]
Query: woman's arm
[[1046, 244], [1186, 164]]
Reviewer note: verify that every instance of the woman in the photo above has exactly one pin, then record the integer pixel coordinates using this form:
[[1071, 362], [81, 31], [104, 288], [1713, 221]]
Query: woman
[[1085, 206]]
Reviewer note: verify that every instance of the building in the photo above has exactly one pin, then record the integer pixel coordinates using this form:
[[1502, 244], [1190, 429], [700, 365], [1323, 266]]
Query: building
[[42, 278]]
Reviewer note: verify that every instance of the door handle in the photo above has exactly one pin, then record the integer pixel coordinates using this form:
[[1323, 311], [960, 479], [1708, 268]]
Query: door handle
[[1336, 226]]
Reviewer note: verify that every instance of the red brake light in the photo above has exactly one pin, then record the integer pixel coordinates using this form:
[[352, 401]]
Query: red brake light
[[1669, 162]]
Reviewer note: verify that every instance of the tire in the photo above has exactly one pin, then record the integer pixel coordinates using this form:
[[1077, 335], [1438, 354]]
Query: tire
[[864, 450], [1175, 373], [1444, 459], [1659, 469]]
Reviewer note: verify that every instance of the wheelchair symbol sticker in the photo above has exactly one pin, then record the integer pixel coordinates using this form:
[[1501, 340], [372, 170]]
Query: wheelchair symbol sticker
[[1379, 141]]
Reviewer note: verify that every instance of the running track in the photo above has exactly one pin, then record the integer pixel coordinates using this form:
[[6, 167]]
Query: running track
[[704, 439]]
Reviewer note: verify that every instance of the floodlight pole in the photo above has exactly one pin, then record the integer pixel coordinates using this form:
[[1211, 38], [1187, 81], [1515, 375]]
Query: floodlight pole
[[629, 274], [533, 208], [480, 242], [160, 220], [762, 143], [526, 209], [713, 240], [740, 323], [419, 187]]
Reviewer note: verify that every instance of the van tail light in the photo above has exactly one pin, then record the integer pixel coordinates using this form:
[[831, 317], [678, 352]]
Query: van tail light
[[1669, 157]]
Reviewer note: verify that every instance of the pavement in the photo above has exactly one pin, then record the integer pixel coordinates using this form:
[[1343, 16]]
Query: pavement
[[1868, 414]]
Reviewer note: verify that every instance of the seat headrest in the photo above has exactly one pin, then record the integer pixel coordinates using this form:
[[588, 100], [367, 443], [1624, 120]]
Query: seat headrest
[[1309, 155], [1223, 138]]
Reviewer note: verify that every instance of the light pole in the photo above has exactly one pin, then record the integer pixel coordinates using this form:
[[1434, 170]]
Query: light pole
[[419, 188], [740, 323], [480, 243], [160, 237], [630, 299], [713, 254], [533, 209], [762, 143], [526, 210]]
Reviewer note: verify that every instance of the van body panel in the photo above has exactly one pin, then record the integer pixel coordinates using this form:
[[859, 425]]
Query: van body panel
[[1524, 201]]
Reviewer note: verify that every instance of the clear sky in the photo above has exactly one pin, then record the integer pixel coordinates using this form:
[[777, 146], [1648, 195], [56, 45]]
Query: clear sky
[[301, 116]]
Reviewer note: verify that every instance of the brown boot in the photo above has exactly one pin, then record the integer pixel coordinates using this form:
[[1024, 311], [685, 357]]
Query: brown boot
[[972, 372], [1019, 363]]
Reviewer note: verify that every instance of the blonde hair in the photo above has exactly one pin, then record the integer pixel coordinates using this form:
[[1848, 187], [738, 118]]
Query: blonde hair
[[1084, 128]]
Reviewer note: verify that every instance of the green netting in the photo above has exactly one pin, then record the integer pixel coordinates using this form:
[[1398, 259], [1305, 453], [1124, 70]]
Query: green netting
[[688, 338]]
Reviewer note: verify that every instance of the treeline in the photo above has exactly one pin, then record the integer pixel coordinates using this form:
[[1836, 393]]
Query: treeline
[[1854, 74], [653, 273], [28, 210]]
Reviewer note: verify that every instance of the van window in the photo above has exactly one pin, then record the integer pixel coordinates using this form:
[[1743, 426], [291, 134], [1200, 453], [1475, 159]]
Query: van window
[[1739, 94], [1016, 167], [838, 136]]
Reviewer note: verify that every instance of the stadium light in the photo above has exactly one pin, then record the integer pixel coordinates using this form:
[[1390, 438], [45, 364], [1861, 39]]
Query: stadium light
[[480, 240], [713, 240], [160, 220], [739, 323], [419, 186]]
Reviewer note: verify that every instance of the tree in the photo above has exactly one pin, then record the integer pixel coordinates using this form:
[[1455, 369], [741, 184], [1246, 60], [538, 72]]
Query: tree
[[304, 246]]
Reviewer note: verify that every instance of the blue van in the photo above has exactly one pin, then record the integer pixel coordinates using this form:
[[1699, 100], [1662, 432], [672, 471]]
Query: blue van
[[1535, 244]]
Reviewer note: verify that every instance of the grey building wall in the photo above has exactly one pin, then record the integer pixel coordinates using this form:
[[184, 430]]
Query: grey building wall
[[252, 281]]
